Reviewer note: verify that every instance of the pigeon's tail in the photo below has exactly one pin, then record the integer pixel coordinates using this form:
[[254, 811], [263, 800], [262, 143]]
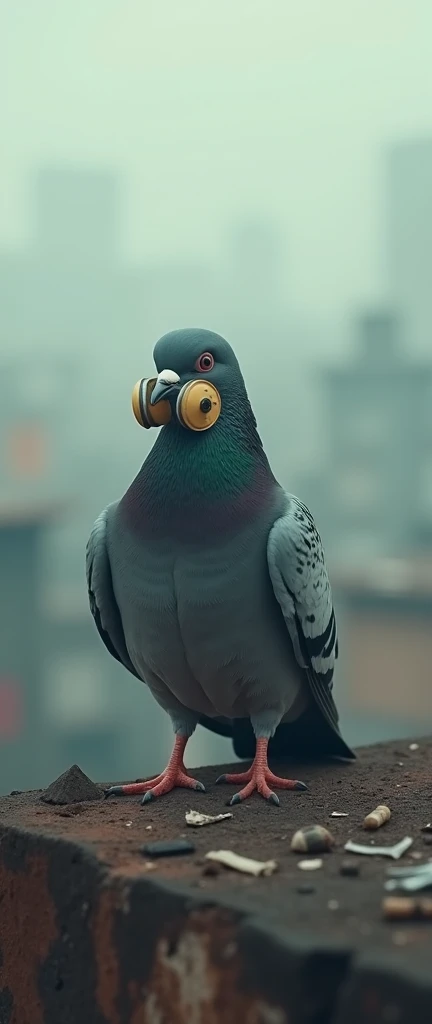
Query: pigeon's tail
[[310, 738]]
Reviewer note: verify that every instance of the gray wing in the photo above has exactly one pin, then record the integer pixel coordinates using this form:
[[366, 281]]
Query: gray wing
[[301, 584], [103, 604]]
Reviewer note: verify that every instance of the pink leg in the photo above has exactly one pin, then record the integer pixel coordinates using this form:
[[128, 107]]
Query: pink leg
[[174, 775], [258, 776]]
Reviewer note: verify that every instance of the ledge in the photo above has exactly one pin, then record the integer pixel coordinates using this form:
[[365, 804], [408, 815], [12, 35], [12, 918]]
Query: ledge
[[90, 934]]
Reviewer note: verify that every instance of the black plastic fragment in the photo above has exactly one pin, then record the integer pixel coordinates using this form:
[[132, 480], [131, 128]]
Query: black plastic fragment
[[349, 869], [168, 848]]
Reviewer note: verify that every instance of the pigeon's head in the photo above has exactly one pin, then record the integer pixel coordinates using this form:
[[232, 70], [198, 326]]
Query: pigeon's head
[[197, 374]]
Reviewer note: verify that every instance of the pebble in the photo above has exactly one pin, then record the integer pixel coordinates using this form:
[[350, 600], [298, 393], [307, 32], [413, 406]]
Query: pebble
[[314, 839]]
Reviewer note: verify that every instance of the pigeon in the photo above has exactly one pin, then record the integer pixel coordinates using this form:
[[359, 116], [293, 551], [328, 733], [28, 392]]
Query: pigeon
[[208, 582]]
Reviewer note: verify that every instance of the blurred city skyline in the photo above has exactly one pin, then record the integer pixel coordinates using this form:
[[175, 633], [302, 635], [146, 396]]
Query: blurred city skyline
[[215, 113], [262, 170]]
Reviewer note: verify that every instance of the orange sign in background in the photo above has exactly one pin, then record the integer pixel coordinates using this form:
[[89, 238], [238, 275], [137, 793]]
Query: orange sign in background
[[27, 450]]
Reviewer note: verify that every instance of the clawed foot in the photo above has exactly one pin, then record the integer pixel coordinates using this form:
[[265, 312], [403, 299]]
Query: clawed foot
[[175, 776], [258, 777], [158, 786]]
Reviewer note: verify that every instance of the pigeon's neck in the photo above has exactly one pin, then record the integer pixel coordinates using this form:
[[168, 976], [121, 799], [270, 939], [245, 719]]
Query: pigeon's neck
[[195, 485]]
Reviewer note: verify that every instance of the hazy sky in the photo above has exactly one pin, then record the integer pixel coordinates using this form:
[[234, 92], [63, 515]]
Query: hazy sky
[[212, 111]]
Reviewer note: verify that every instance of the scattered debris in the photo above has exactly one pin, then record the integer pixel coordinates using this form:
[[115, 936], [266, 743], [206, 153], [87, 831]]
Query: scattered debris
[[168, 848], [414, 746], [378, 817], [149, 865], [244, 864], [149, 828], [314, 839], [305, 890], [402, 908], [128, 824], [410, 879], [349, 869], [197, 820], [72, 787], [333, 905], [395, 851], [339, 814], [310, 865]]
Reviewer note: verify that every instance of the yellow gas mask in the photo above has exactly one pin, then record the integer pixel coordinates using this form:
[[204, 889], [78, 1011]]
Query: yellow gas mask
[[197, 407]]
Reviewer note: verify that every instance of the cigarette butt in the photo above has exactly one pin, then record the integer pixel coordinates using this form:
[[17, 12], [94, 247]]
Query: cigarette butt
[[377, 817], [403, 908]]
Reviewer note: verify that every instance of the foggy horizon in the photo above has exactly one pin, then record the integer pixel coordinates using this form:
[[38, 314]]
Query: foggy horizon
[[215, 114]]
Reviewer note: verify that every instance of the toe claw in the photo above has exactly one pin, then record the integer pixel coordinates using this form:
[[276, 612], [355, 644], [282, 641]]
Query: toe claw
[[147, 797], [300, 785], [113, 791], [236, 799], [273, 799], [200, 787], [221, 778]]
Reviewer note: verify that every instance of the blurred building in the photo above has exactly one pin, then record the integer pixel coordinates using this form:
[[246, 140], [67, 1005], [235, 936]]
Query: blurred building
[[386, 651], [372, 500], [72, 323], [374, 491], [23, 727], [69, 289], [408, 236]]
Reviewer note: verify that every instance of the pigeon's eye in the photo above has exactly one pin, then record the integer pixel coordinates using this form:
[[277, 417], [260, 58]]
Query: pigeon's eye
[[205, 362]]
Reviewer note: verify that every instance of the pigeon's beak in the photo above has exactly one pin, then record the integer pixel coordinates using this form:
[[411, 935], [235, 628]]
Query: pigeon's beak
[[167, 382]]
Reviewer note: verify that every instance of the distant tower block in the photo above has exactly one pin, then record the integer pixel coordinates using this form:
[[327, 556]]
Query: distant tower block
[[378, 335], [22, 715], [408, 236], [78, 215], [379, 448]]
